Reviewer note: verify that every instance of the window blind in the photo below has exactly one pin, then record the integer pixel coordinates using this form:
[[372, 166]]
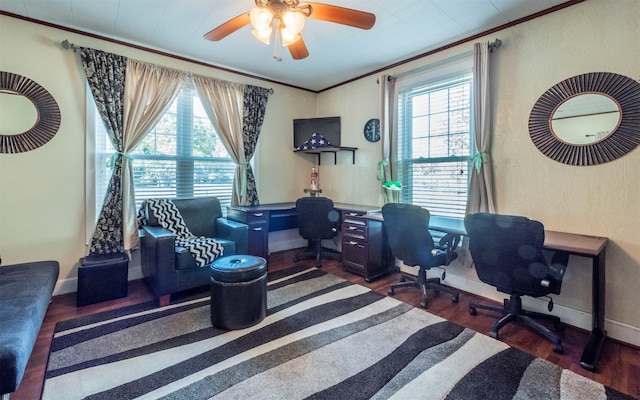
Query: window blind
[[434, 141], [182, 156]]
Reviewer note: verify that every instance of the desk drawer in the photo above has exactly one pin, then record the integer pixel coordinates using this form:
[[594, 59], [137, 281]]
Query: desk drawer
[[364, 246], [354, 256], [353, 215], [258, 221], [254, 217], [354, 231], [354, 224], [257, 217], [259, 240], [248, 217]]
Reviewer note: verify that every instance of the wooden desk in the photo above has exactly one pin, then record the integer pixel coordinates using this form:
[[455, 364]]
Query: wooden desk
[[364, 247], [271, 217], [266, 218], [578, 245], [594, 248], [261, 220]]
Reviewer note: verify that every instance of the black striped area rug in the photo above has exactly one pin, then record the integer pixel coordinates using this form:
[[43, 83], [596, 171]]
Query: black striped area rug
[[323, 338]]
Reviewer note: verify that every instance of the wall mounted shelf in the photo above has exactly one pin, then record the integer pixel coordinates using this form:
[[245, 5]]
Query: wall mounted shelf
[[318, 152]]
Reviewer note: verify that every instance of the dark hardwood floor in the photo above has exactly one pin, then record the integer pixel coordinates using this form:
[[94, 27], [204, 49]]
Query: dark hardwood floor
[[619, 364]]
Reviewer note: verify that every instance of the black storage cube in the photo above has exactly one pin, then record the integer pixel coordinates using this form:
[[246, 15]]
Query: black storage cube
[[102, 277]]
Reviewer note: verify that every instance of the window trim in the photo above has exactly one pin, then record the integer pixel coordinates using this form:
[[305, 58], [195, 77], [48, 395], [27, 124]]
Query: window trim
[[91, 213], [432, 74]]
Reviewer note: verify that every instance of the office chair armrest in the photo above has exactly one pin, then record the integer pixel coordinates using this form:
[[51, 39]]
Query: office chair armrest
[[449, 243], [558, 265]]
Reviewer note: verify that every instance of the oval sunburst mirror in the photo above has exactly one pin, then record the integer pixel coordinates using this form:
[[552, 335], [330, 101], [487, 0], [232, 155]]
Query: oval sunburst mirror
[[44, 116], [588, 119]]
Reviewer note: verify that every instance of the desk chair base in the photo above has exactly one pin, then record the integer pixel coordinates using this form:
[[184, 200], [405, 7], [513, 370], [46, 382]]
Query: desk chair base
[[512, 311], [423, 284], [318, 253]]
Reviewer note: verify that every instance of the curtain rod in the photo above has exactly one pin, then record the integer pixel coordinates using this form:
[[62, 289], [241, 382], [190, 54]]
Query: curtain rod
[[492, 46], [495, 45], [67, 45]]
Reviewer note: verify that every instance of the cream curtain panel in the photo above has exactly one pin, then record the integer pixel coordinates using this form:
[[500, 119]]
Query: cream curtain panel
[[149, 91], [385, 172], [223, 103], [480, 196]]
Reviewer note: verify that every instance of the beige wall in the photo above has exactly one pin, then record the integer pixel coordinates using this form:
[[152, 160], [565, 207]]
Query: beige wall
[[597, 35], [42, 192]]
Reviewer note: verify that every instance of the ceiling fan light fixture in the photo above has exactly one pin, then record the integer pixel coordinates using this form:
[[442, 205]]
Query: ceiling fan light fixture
[[261, 18], [281, 22], [263, 35], [287, 38], [293, 21]]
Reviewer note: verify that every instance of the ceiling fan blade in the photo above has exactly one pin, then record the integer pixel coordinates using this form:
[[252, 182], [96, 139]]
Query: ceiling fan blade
[[228, 27], [298, 50], [341, 15]]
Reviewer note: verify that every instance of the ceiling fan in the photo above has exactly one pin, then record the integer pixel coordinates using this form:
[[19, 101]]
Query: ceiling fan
[[284, 19]]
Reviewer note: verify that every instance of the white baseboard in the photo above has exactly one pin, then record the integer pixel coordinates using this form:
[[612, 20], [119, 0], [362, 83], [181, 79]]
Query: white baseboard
[[570, 316], [64, 286], [287, 245]]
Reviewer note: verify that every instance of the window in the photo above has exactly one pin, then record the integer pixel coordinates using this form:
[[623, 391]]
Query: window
[[182, 156], [434, 142]]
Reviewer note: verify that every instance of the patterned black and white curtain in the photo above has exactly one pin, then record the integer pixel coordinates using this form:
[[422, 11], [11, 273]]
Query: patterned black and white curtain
[[105, 74], [255, 105]]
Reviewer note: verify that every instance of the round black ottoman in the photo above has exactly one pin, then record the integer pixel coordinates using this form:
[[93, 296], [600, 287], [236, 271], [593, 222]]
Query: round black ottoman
[[238, 291]]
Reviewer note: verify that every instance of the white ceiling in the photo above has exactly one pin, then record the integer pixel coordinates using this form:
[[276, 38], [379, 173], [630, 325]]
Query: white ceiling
[[403, 29]]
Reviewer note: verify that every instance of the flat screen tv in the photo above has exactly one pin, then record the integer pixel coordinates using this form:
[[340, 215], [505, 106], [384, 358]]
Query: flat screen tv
[[329, 127]]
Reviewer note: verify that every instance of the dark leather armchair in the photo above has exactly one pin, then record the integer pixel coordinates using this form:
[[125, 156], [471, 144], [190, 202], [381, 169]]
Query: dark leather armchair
[[169, 269], [317, 220], [407, 228], [507, 253]]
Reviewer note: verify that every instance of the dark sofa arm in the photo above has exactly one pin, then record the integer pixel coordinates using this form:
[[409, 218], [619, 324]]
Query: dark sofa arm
[[234, 231], [158, 259]]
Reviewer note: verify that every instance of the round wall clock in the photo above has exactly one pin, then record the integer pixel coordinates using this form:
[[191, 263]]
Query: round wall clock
[[372, 130]]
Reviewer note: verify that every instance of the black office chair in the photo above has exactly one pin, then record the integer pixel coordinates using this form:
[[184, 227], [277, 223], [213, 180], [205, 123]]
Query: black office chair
[[507, 253], [407, 228], [317, 220]]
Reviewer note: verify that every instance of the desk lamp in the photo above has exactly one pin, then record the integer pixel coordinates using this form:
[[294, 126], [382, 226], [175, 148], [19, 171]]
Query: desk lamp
[[392, 185]]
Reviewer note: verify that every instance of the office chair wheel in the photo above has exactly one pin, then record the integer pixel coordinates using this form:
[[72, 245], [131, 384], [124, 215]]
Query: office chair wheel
[[494, 334], [455, 298], [558, 348], [295, 258], [424, 304], [472, 311]]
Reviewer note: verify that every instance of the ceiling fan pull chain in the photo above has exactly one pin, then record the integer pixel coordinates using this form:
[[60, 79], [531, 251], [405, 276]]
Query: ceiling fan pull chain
[[277, 40]]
